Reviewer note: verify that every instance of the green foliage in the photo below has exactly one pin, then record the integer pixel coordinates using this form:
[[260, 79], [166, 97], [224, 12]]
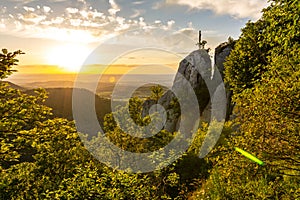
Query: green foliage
[[246, 62], [230, 40], [263, 71], [7, 61], [268, 111], [43, 158], [277, 31], [156, 92], [19, 112], [64, 169], [127, 142], [234, 176]]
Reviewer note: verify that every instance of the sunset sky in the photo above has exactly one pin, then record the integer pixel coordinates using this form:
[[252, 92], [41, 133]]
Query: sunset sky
[[64, 32]]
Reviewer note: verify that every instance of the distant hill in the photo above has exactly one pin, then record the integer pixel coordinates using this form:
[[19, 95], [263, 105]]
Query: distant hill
[[60, 100], [104, 89], [12, 85], [50, 84]]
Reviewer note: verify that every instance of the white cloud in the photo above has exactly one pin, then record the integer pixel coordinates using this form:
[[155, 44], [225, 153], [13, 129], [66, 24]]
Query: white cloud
[[46, 9], [3, 10], [137, 2], [236, 8], [114, 7], [91, 14], [189, 33], [29, 9], [142, 22], [137, 13], [31, 18], [57, 20], [2, 24], [77, 23], [72, 24], [72, 10], [82, 1], [170, 23], [23, 1]]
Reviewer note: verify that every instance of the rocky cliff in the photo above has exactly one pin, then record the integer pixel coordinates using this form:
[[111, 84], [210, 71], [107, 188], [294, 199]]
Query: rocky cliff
[[195, 72]]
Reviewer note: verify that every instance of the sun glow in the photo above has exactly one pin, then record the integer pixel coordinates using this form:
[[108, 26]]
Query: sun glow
[[70, 56]]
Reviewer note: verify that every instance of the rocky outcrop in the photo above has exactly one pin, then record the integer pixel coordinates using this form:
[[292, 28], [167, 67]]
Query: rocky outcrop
[[195, 73], [221, 53], [196, 69]]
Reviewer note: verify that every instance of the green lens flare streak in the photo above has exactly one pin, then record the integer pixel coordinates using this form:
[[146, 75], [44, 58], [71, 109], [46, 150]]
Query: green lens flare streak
[[249, 155]]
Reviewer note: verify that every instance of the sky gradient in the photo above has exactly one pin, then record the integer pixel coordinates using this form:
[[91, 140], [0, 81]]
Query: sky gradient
[[64, 33]]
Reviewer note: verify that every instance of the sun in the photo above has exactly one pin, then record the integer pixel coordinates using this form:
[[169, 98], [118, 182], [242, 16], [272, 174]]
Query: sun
[[70, 57]]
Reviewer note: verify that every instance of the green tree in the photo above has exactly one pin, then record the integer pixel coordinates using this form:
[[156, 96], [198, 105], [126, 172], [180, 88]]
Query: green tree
[[277, 30], [7, 61], [156, 92], [268, 111], [19, 111], [263, 72], [43, 158]]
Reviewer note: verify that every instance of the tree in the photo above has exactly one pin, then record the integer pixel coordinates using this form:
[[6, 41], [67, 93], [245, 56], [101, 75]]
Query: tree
[[277, 30], [263, 72], [268, 110], [247, 61], [7, 61], [44, 158], [18, 111], [156, 92]]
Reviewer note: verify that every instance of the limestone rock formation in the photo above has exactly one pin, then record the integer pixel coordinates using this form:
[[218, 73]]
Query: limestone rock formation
[[221, 53], [196, 69], [194, 72]]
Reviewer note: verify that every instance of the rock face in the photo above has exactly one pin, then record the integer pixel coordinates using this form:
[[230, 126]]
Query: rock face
[[196, 69], [221, 53], [195, 73]]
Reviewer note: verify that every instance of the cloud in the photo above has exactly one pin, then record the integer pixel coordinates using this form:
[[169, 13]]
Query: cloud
[[23, 1], [46, 9], [76, 23], [158, 5], [2, 24], [236, 8], [72, 10], [189, 34], [82, 23], [114, 7], [137, 2], [29, 9], [32, 18], [137, 13], [170, 23]]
